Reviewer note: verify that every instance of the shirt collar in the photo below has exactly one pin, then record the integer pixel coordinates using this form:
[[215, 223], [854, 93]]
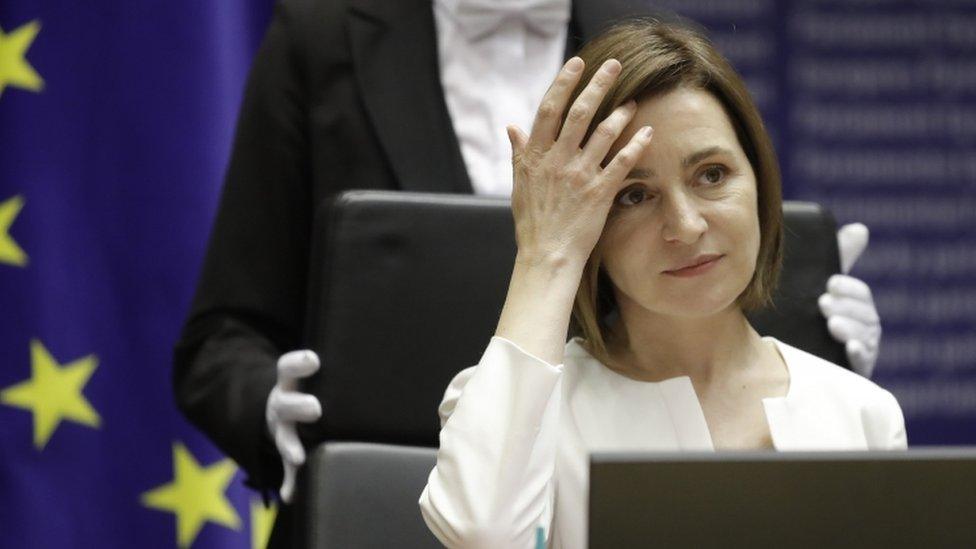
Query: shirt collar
[[477, 19]]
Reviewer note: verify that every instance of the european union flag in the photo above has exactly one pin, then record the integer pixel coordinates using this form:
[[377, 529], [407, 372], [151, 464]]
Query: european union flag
[[115, 123]]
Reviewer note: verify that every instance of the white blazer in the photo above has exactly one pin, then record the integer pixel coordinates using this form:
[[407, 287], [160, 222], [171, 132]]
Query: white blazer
[[516, 433]]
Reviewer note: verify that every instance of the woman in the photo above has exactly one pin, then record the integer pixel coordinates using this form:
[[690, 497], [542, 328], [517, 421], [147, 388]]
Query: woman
[[656, 248]]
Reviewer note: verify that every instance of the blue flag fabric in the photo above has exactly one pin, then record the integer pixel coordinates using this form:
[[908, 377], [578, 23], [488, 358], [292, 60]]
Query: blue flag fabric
[[116, 120]]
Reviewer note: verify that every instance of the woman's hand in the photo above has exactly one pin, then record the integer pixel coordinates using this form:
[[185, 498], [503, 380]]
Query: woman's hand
[[561, 194], [560, 202]]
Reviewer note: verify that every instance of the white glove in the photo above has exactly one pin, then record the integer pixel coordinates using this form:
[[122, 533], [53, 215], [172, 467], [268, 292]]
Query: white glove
[[852, 318], [285, 406]]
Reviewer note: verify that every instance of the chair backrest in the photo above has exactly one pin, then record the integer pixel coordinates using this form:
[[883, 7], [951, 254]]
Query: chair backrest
[[810, 257], [406, 289], [365, 496]]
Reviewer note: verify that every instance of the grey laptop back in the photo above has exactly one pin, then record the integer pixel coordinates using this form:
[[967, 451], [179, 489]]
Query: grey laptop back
[[915, 498]]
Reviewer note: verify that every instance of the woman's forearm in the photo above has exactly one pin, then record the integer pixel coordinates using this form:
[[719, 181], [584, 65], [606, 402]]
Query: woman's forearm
[[539, 304], [492, 485]]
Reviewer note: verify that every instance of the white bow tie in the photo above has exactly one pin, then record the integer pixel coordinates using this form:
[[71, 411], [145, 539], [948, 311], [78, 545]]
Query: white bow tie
[[478, 18]]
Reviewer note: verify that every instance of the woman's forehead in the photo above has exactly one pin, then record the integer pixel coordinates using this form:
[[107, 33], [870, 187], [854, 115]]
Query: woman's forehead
[[685, 117]]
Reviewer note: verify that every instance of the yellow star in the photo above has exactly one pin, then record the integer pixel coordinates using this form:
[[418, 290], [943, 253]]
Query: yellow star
[[195, 496], [10, 252], [262, 519], [14, 69], [53, 393]]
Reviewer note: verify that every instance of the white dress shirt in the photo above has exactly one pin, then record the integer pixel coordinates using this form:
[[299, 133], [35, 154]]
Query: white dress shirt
[[516, 433], [493, 80]]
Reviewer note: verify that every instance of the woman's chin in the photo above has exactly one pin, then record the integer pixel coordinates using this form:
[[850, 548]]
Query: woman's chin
[[693, 305]]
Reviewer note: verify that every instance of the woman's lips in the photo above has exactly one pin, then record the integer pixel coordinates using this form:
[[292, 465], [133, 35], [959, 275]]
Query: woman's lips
[[701, 268]]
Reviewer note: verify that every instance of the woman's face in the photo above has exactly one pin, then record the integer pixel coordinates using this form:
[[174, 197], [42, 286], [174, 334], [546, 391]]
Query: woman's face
[[690, 197]]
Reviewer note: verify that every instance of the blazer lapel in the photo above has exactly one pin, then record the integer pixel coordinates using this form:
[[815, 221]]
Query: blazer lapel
[[807, 418], [394, 51]]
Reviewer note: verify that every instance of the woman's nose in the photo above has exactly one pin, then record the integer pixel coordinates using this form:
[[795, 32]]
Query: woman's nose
[[683, 221]]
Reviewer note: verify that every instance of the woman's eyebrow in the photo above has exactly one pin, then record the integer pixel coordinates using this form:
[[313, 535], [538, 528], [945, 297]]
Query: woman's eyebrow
[[697, 157], [690, 160], [640, 173]]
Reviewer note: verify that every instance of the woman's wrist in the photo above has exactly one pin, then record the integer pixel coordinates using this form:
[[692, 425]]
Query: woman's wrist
[[539, 304], [556, 276], [554, 261]]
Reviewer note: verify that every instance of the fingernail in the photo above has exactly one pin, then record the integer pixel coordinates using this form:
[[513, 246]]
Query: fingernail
[[646, 132], [612, 66], [574, 65]]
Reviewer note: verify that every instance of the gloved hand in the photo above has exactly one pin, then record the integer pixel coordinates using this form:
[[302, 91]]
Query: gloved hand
[[285, 406], [851, 315]]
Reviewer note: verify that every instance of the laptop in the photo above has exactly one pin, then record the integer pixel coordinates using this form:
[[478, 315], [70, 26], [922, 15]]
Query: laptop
[[916, 498]]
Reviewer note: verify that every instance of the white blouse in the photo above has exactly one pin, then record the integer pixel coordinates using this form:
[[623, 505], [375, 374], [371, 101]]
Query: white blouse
[[516, 433]]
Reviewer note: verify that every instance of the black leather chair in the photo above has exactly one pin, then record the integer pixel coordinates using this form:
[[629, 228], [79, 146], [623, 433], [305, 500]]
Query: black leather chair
[[405, 291], [407, 288]]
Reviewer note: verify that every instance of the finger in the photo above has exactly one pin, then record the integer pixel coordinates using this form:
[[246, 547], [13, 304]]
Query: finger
[[606, 134], [848, 286], [297, 365], [288, 484], [292, 406], [289, 446], [852, 239], [517, 138], [856, 351], [860, 358], [271, 409], [847, 307], [581, 113], [625, 159], [847, 329], [545, 127]]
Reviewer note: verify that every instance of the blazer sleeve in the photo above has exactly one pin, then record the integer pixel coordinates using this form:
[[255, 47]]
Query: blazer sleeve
[[250, 298], [885, 423], [493, 482]]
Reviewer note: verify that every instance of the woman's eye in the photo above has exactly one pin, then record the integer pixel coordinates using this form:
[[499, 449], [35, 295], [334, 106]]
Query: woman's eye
[[632, 197], [713, 175]]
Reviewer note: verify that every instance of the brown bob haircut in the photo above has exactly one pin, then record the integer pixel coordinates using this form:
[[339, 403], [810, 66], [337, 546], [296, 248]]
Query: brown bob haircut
[[659, 57]]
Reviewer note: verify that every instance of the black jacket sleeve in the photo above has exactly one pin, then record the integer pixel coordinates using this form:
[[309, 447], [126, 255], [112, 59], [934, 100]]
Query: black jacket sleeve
[[249, 305]]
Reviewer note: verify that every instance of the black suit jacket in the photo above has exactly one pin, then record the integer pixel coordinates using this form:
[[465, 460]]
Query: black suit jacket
[[343, 94]]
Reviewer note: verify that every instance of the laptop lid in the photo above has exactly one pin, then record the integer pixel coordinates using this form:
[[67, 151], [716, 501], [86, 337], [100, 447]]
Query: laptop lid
[[914, 498]]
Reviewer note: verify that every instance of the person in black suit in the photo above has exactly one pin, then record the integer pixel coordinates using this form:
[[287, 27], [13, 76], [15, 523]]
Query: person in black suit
[[343, 94]]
